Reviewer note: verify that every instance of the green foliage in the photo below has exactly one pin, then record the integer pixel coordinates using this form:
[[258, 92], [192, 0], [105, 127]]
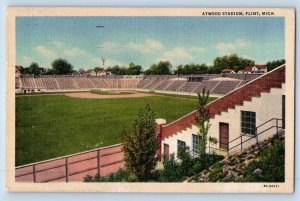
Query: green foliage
[[186, 166], [60, 125], [140, 145], [203, 120], [132, 69], [162, 68], [216, 173], [212, 140], [34, 69], [191, 69], [179, 95], [61, 67], [231, 61], [271, 163], [120, 176], [274, 64], [171, 172]]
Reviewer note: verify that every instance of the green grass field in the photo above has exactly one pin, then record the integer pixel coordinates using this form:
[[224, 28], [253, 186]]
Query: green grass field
[[52, 126]]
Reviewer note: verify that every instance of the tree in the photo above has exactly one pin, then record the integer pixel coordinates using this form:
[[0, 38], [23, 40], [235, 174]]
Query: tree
[[162, 68], [203, 120], [231, 61], [61, 67], [274, 64], [34, 69], [140, 145], [191, 69], [134, 69]]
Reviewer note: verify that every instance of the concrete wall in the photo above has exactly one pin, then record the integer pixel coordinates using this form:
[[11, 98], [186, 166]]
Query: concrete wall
[[267, 106]]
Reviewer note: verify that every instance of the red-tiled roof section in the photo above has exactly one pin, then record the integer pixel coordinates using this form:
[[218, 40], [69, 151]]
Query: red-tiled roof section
[[248, 68], [273, 79]]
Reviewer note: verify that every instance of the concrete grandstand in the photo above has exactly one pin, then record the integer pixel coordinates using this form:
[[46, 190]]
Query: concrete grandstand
[[217, 84]]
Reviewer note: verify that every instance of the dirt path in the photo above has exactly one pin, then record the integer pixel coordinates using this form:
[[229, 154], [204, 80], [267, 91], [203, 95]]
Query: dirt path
[[99, 96]]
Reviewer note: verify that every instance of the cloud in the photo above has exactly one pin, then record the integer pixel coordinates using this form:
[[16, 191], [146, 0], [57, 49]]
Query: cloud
[[154, 44], [26, 60], [197, 50], [150, 45], [76, 52], [237, 44], [111, 47], [177, 53], [44, 51]]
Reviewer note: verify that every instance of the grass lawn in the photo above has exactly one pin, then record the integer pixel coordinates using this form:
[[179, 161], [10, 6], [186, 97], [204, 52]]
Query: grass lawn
[[52, 126], [178, 95]]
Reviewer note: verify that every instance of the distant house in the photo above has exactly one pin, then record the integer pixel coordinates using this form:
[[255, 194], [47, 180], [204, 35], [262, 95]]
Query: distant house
[[18, 70], [83, 72], [92, 72], [227, 71], [256, 68]]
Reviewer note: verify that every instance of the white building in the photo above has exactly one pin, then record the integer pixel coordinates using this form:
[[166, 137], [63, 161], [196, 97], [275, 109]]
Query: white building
[[256, 68], [241, 118]]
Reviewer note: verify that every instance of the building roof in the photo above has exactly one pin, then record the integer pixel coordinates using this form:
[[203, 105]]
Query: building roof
[[260, 66], [18, 69], [248, 68], [254, 88], [227, 70]]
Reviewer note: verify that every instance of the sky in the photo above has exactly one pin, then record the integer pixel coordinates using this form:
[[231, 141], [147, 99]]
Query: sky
[[146, 40]]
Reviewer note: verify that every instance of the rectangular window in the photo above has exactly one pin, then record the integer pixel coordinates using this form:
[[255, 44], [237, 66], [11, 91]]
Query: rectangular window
[[248, 122], [180, 144], [196, 141]]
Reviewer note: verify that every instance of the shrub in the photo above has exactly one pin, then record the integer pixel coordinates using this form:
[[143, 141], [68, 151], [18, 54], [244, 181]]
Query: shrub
[[271, 163], [186, 166], [140, 145], [171, 172], [120, 176]]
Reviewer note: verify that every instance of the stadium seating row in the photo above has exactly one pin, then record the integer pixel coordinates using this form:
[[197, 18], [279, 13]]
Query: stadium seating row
[[215, 86]]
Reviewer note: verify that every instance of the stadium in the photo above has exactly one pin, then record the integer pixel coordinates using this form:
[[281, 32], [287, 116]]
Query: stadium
[[79, 90], [83, 117]]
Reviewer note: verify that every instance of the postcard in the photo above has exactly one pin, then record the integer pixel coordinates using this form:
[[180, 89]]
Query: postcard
[[150, 100]]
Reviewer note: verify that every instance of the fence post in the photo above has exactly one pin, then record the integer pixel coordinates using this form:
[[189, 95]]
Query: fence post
[[67, 170], [98, 162], [241, 142], [34, 173]]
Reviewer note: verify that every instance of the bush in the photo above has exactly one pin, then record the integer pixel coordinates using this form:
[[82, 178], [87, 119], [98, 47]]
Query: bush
[[186, 166], [120, 176], [271, 163], [171, 172]]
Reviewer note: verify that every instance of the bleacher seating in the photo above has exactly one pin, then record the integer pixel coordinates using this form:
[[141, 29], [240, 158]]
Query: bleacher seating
[[190, 86], [225, 86], [164, 84], [217, 86], [175, 85], [84, 83]]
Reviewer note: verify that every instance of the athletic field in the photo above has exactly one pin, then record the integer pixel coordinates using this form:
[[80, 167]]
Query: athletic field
[[49, 126]]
